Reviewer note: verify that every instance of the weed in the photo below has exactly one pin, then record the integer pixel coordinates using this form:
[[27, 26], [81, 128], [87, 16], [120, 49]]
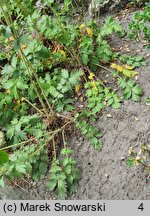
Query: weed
[[140, 25], [47, 63]]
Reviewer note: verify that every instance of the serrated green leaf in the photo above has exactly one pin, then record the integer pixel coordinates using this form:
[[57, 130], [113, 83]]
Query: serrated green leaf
[[67, 170], [85, 58], [2, 183], [137, 90], [65, 74], [135, 97], [51, 185], [21, 168], [4, 157]]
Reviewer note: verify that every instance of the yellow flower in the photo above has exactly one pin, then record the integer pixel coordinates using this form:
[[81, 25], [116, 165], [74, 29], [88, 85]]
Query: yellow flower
[[7, 91], [82, 26], [91, 76], [136, 163], [94, 87], [23, 46], [77, 88], [62, 52], [85, 29], [89, 32]]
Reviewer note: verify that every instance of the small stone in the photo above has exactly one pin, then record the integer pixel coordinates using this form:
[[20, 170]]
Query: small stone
[[109, 116], [81, 106], [106, 175], [34, 184], [137, 119], [122, 158]]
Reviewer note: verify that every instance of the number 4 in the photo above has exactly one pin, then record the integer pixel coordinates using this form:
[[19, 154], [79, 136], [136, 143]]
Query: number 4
[[141, 207]]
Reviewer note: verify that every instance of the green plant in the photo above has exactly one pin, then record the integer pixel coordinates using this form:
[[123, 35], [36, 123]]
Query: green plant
[[47, 62], [139, 156], [148, 100], [140, 25], [63, 175], [130, 89], [88, 130], [138, 2], [134, 61]]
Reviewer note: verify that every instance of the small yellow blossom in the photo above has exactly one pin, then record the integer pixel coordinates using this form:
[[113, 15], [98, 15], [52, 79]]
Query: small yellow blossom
[[77, 88], [89, 32], [93, 83], [136, 163], [62, 52], [23, 46], [85, 29], [7, 91], [82, 26], [91, 76]]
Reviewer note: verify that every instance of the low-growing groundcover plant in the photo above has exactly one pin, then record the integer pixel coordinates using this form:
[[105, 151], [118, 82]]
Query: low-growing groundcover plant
[[49, 85], [140, 25], [140, 157]]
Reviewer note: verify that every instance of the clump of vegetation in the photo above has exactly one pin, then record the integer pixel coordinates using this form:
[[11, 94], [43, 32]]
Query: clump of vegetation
[[139, 3], [49, 85], [133, 61], [139, 157], [140, 25], [148, 100]]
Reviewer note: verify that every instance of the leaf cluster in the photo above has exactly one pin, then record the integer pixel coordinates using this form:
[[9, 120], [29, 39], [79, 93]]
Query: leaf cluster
[[134, 61], [130, 89], [140, 25], [63, 175]]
